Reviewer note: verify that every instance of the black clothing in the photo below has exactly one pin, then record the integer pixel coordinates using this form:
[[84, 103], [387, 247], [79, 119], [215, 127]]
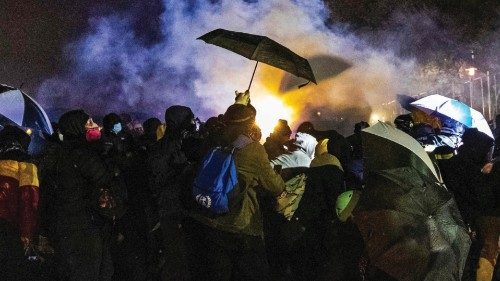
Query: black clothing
[[76, 175], [221, 255], [84, 256]]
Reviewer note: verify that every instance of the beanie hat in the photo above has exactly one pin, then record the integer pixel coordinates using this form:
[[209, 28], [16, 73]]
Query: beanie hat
[[238, 114], [72, 124]]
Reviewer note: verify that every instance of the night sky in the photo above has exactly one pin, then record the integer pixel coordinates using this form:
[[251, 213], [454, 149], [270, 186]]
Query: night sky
[[131, 56], [33, 34]]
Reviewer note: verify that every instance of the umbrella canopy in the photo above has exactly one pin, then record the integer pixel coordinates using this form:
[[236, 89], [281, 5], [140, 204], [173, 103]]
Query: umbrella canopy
[[411, 226], [439, 105], [385, 147], [325, 67], [19, 108], [261, 49]]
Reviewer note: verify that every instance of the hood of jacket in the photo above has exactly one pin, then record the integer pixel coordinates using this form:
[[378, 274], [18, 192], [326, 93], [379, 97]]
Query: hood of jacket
[[179, 118], [306, 143], [72, 124]]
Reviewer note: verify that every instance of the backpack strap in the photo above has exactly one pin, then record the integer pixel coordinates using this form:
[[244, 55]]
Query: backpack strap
[[240, 142]]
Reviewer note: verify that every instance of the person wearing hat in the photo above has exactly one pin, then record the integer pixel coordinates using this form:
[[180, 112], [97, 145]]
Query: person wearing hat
[[231, 246], [18, 202]]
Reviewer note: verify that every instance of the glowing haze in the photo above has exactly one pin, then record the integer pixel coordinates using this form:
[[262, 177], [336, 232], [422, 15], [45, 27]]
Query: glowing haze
[[111, 70]]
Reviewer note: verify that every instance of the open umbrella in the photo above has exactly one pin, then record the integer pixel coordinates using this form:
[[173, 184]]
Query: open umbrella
[[260, 49], [439, 105], [325, 67], [18, 108], [398, 150], [409, 221]]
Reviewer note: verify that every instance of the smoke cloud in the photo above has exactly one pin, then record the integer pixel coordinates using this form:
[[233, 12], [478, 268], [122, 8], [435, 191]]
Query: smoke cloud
[[112, 69]]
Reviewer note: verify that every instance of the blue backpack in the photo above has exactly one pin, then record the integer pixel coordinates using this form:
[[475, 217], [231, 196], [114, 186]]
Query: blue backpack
[[216, 178]]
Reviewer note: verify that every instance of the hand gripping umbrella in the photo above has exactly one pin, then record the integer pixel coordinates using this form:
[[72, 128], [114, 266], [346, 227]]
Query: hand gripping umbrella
[[261, 49], [409, 221], [18, 108]]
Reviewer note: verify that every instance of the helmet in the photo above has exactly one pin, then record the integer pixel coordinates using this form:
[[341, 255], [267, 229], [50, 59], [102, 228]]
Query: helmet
[[346, 202]]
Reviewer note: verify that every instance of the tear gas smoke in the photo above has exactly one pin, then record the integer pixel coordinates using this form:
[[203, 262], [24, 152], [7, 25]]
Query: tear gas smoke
[[110, 69]]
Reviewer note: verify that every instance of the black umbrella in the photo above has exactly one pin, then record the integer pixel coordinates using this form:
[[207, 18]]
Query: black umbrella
[[411, 226], [410, 222], [261, 49]]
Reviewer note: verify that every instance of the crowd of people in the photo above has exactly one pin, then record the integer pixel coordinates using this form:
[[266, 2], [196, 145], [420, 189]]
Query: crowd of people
[[105, 203]]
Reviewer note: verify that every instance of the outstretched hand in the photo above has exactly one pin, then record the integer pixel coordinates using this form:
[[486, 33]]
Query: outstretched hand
[[242, 97]]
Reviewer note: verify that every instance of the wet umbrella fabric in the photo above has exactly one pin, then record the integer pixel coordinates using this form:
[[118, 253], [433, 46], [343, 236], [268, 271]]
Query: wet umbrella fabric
[[411, 226], [18, 108], [439, 105], [410, 222], [261, 49]]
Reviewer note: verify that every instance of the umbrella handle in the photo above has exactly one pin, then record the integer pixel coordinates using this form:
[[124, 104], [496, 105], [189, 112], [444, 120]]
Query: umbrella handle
[[252, 76]]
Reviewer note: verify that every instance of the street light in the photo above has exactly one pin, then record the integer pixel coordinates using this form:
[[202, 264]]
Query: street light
[[471, 71]]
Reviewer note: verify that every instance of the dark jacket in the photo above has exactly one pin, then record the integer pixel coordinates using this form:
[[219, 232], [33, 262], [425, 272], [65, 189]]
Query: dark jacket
[[462, 174], [72, 176], [167, 160]]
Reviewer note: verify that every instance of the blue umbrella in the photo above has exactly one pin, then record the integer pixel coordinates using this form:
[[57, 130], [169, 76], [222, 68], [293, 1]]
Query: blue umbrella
[[438, 105], [18, 108]]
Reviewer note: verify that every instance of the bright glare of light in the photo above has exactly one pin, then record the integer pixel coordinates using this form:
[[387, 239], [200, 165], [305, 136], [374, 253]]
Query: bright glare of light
[[29, 131], [471, 71], [269, 110], [375, 117]]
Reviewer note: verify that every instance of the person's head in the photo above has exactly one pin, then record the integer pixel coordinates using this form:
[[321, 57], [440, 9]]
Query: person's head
[[476, 146], [360, 126], [150, 126], [404, 123], [345, 204], [281, 131], [74, 124], [179, 120], [306, 127], [418, 116], [112, 123], [15, 136], [239, 120]]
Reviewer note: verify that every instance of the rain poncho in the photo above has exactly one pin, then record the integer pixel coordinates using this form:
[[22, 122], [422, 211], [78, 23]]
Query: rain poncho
[[301, 157]]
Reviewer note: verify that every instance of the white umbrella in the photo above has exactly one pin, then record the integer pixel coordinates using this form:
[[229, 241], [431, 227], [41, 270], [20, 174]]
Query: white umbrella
[[454, 109], [386, 147], [23, 110]]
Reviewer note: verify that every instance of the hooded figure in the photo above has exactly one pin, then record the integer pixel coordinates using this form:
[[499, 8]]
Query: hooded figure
[[473, 191], [73, 178], [168, 162], [303, 155]]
